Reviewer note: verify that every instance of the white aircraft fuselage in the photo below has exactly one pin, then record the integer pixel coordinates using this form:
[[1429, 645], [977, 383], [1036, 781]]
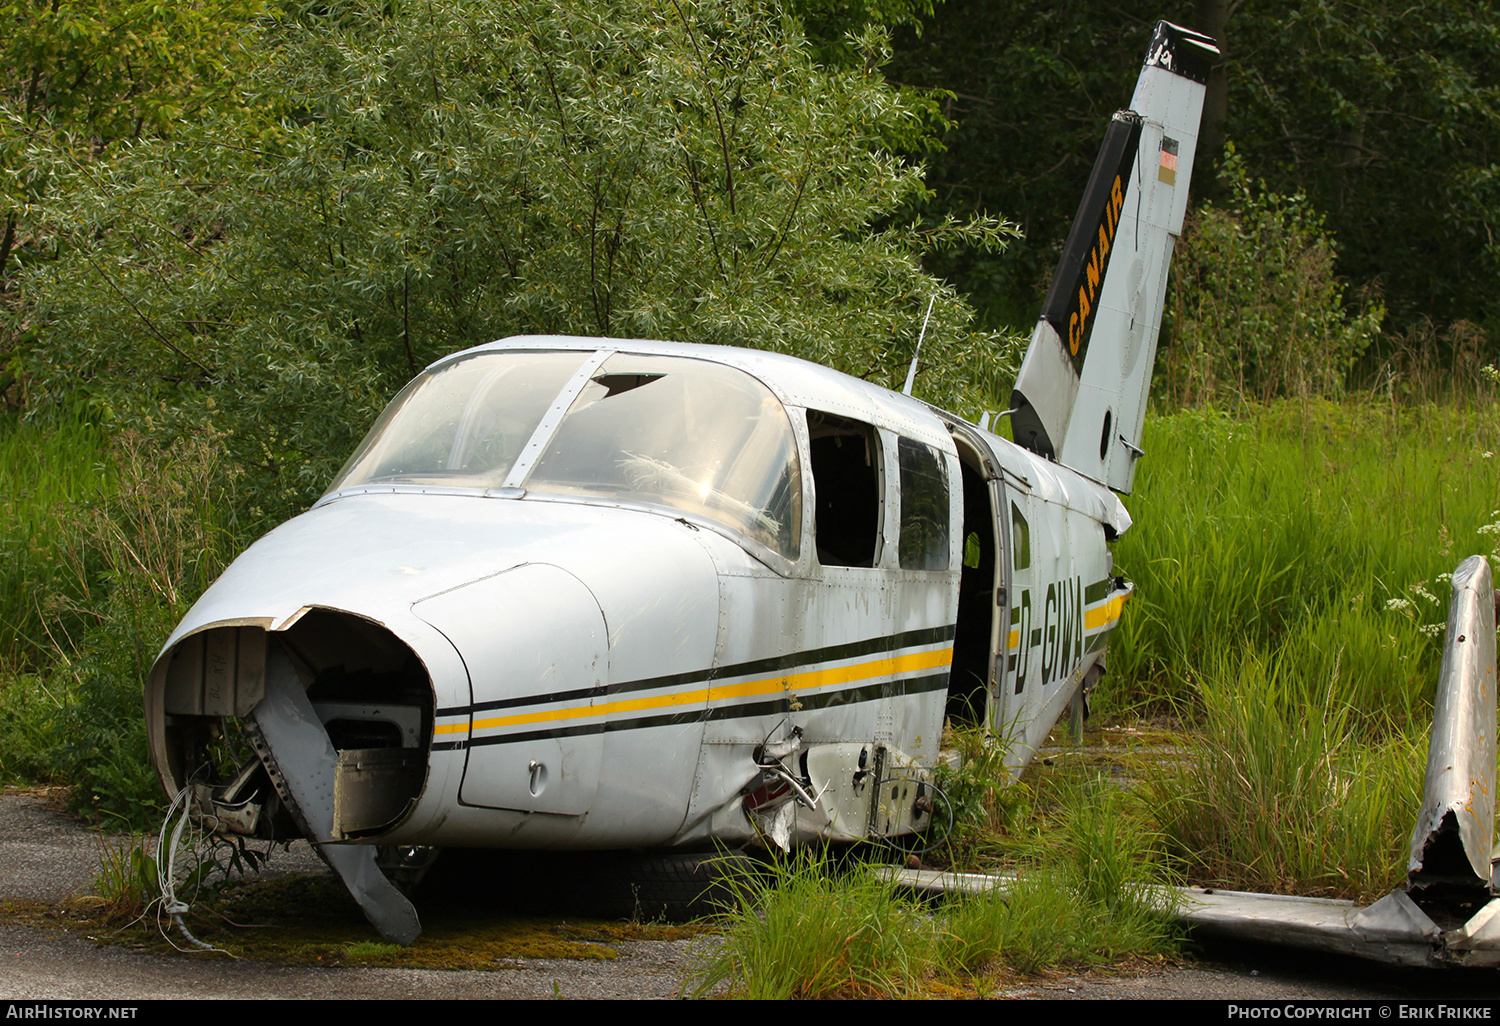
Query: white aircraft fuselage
[[603, 668]]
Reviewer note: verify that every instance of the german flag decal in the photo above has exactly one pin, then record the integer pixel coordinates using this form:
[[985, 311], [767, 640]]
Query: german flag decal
[[1167, 170]]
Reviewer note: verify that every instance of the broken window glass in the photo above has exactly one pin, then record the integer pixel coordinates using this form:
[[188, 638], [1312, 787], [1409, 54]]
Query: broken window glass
[[924, 507], [689, 434]]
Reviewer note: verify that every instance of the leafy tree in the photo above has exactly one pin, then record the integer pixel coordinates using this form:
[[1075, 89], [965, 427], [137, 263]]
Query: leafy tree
[[1029, 87], [464, 170], [1388, 117], [83, 75], [833, 25], [1257, 311]]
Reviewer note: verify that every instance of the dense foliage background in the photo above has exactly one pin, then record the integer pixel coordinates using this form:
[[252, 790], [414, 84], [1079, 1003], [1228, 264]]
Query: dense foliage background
[[220, 213], [385, 184], [1385, 116]]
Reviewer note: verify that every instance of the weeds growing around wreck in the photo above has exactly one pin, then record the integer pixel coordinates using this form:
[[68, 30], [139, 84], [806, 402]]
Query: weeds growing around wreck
[[1082, 892]]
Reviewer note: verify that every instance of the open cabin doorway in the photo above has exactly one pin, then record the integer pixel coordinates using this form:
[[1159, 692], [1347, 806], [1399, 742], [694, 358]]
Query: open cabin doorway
[[982, 609]]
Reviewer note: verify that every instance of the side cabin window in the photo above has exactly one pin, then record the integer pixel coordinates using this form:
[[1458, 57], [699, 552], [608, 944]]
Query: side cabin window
[[847, 489], [924, 507], [1020, 540], [1021, 610]]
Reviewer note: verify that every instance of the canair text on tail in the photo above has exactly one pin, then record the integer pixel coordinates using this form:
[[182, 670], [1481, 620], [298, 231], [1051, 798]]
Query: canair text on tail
[[1080, 397]]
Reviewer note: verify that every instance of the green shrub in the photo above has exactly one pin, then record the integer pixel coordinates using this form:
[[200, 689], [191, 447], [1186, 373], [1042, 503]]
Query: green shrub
[[32, 719], [126, 883], [985, 802], [1256, 311]]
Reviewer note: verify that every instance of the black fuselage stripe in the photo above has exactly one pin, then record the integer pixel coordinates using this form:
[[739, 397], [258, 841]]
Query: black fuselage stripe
[[773, 664], [780, 704]]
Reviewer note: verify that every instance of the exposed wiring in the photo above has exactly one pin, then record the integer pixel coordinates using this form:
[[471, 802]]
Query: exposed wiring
[[892, 841], [166, 866]]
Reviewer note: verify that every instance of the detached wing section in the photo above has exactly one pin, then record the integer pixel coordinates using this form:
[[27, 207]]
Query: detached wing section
[[1080, 397]]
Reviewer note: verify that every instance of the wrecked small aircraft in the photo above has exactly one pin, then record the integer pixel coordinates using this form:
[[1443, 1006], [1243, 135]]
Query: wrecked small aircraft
[[587, 593]]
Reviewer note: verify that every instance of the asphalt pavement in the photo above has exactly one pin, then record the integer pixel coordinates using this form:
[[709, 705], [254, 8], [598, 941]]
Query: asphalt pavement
[[46, 855]]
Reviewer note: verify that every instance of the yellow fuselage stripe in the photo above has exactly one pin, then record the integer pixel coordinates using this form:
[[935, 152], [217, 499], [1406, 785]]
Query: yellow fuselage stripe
[[885, 666], [1107, 613], [1099, 616]]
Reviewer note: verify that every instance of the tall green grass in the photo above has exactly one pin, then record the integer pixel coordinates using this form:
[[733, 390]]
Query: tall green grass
[[1311, 532], [114, 539], [50, 467], [1292, 568], [1281, 792], [1082, 894], [809, 931]]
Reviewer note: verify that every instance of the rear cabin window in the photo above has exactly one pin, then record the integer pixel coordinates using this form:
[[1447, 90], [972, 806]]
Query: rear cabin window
[[924, 507], [847, 490], [1020, 539]]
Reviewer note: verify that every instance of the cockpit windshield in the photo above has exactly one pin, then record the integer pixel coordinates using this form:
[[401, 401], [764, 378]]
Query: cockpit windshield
[[461, 425], [693, 435], [666, 431]]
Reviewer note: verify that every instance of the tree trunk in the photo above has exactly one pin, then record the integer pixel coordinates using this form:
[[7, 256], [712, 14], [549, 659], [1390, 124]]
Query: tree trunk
[[1211, 17]]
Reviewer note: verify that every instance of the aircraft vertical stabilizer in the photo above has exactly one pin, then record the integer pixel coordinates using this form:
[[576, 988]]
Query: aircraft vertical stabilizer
[[1080, 397]]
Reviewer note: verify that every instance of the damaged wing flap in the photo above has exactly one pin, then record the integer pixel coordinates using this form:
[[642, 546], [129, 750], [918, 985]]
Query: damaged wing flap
[[1452, 844], [1447, 914]]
